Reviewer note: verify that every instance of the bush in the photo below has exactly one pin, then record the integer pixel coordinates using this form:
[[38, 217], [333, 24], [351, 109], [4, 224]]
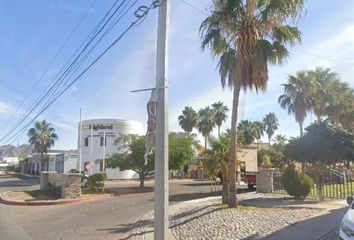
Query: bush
[[96, 181], [296, 184]]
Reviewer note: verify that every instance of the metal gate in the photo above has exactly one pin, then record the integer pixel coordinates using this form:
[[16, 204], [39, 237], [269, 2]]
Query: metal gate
[[337, 185]]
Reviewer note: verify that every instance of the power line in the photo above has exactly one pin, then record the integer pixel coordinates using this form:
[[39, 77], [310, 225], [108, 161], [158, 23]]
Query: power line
[[195, 8], [54, 84], [324, 58], [50, 64], [117, 20], [140, 14]]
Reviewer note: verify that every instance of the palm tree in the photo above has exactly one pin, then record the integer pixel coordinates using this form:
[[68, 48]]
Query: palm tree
[[206, 123], [322, 78], [42, 136], [188, 119], [259, 126], [247, 132], [280, 139], [298, 96], [341, 104], [219, 149], [247, 35], [220, 114], [271, 124]]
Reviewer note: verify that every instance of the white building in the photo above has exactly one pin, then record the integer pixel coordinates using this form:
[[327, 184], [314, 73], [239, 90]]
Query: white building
[[61, 161], [98, 142]]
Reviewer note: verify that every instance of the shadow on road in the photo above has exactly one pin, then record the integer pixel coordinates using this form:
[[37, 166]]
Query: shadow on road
[[18, 181], [323, 227], [192, 196]]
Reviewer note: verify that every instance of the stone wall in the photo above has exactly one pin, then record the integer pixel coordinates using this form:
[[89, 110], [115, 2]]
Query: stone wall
[[265, 180], [68, 185]]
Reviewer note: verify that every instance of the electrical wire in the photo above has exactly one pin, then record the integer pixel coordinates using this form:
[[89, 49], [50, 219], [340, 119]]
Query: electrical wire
[[49, 65], [140, 14], [98, 28]]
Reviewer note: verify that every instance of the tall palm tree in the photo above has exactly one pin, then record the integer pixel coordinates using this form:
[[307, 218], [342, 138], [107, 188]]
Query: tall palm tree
[[219, 149], [246, 35], [247, 132], [188, 119], [42, 136], [341, 104], [260, 128], [322, 78], [220, 114], [206, 123], [271, 124], [298, 96]]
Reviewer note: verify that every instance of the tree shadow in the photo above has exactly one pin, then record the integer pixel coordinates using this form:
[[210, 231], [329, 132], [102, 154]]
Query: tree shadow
[[20, 182], [322, 227]]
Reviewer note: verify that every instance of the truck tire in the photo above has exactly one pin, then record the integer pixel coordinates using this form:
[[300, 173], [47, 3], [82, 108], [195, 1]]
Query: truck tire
[[250, 186]]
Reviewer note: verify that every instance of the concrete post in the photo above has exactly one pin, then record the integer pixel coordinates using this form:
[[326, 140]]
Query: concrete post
[[265, 180]]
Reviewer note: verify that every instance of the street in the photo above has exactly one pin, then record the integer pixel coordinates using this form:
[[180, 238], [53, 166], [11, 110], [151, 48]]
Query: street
[[104, 219]]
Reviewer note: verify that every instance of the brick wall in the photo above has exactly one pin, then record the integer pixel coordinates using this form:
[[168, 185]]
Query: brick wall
[[70, 184]]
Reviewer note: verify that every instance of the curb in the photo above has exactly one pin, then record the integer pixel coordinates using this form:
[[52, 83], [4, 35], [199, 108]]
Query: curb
[[51, 202]]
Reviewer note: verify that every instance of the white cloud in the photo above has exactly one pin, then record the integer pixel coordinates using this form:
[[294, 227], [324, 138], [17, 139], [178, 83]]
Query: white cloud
[[4, 107]]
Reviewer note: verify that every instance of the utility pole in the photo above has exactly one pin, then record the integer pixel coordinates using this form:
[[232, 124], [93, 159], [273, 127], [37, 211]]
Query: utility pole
[[161, 142], [80, 144]]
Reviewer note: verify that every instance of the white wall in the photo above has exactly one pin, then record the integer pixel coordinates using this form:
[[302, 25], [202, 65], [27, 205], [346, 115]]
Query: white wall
[[119, 127]]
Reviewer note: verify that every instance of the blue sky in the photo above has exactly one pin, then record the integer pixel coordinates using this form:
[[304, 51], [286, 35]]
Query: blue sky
[[33, 32]]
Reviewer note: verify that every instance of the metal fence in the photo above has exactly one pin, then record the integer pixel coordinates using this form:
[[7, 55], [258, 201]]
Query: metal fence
[[337, 185]]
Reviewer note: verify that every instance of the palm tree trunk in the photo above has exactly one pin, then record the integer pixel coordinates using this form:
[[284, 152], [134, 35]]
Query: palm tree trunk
[[42, 162], [301, 134], [233, 149], [225, 185], [269, 141], [218, 132], [301, 129]]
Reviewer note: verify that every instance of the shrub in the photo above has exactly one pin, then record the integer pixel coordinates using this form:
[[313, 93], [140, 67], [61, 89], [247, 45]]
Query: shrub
[[96, 181], [296, 184]]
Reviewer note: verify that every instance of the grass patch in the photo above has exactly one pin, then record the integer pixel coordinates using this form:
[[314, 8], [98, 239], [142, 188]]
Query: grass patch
[[88, 192], [42, 195]]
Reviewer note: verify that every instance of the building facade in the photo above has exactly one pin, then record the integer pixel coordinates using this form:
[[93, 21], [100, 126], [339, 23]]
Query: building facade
[[98, 143], [61, 161]]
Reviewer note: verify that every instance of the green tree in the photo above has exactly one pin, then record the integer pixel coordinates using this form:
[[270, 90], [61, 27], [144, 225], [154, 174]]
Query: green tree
[[206, 123], [276, 157], [322, 78], [246, 35], [280, 140], [260, 128], [219, 150], [271, 124], [323, 145], [298, 97], [132, 149], [247, 132], [188, 119], [42, 136], [220, 111], [180, 151]]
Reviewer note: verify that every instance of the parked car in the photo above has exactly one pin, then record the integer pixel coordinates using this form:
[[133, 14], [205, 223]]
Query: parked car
[[346, 229]]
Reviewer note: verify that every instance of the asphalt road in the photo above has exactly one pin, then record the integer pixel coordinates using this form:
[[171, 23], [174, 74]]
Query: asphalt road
[[104, 219]]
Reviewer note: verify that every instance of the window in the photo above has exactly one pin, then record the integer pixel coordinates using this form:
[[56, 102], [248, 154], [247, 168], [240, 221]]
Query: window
[[101, 141], [86, 142]]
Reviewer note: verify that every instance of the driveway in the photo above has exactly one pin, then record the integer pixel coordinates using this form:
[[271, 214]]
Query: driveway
[[105, 219]]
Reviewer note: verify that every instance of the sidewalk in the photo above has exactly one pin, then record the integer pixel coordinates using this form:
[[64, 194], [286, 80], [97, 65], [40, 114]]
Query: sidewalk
[[325, 217]]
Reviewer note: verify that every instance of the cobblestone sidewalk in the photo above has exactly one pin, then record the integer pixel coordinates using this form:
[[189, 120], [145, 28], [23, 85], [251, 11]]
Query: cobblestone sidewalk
[[207, 219]]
